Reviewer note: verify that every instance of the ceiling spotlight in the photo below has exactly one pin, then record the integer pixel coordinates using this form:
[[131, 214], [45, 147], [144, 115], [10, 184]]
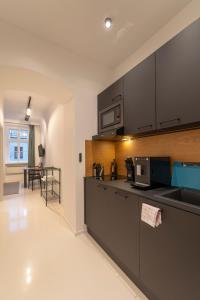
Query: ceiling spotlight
[[108, 23], [28, 111]]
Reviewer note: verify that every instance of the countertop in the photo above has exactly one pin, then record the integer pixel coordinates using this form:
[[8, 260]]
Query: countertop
[[155, 194]]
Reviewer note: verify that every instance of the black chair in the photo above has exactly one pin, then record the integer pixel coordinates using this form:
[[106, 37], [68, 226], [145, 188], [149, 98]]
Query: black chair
[[34, 174]]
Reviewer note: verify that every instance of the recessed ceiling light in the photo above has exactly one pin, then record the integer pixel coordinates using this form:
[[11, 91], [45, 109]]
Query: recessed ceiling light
[[108, 23]]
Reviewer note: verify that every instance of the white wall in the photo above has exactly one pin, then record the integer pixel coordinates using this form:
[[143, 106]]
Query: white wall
[[185, 17], [69, 171], [67, 127], [85, 127], [54, 136], [80, 78], [60, 152]]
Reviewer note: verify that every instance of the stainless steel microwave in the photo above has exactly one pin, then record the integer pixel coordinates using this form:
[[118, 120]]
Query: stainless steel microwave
[[111, 117]]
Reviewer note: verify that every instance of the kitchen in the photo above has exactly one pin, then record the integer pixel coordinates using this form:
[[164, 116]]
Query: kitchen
[[143, 209]]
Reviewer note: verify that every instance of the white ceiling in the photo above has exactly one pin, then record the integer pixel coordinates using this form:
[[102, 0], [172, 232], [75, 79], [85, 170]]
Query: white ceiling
[[78, 24], [15, 103]]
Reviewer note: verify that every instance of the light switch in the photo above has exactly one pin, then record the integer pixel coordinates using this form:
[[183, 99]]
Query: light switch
[[80, 157]]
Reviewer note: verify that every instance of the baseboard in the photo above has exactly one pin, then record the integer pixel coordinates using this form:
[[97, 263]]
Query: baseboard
[[81, 231], [71, 227], [75, 231]]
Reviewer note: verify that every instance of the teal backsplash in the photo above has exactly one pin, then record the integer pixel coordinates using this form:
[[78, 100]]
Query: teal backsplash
[[186, 175]]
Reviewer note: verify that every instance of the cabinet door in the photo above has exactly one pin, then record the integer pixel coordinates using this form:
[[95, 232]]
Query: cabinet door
[[112, 218], [177, 79], [112, 94], [169, 255], [95, 203], [139, 98], [122, 238]]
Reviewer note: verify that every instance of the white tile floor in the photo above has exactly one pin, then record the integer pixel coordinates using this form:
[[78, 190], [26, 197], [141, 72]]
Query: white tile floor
[[40, 259]]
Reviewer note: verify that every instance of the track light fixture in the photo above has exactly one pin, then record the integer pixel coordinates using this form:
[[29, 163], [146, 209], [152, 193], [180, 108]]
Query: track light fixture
[[28, 109]]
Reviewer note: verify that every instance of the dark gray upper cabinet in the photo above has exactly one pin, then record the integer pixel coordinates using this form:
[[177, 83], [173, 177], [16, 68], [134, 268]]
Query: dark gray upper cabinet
[[177, 79], [139, 98], [111, 95], [163, 91], [169, 255]]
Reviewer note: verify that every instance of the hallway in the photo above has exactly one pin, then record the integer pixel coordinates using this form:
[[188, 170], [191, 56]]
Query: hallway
[[41, 259]]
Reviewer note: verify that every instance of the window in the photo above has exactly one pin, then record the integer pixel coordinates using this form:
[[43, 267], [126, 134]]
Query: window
[[17, 144]]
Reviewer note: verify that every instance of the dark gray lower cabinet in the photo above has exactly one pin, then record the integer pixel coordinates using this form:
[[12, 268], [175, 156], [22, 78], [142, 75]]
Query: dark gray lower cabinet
[[94, 207], [170, 255], [164, 261], [112, 218]]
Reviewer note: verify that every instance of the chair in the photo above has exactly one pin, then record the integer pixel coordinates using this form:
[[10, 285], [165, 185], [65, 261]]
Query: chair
[[34, 174]]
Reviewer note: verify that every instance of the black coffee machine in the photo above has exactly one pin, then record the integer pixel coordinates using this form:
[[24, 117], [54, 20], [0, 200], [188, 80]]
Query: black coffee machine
[[151, 172], [130, 169]]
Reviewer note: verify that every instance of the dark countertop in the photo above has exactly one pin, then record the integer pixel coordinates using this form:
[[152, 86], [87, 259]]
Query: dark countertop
[[154, 194]]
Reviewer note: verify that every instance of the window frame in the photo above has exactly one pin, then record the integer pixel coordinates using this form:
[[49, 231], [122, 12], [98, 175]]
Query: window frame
[[18, 140]]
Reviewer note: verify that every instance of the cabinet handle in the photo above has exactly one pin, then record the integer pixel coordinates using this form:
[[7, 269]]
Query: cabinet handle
[[146, 126], [169, 121]]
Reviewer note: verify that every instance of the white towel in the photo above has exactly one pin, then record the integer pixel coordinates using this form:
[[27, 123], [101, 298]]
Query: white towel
[[151, 215], [48, 178]]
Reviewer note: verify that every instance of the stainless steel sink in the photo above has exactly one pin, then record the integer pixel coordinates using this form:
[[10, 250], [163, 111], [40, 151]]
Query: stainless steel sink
[[185, 195]]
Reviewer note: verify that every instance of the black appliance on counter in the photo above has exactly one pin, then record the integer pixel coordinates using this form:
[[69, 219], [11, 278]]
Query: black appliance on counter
[[113, 170], [151, 172], [130, 169], [98, 171], [111, 117]]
